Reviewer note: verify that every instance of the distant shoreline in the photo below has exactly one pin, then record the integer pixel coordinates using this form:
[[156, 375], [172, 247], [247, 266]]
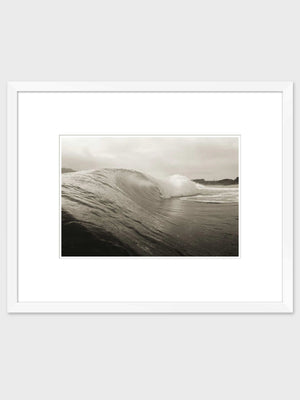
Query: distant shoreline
[[65, 170], [224, 182]]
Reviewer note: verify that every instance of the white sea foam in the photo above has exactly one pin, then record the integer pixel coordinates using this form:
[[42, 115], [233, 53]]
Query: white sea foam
[[177, 186]]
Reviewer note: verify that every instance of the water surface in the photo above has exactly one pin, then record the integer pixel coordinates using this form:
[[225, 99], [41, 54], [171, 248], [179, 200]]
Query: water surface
[[115, 212]]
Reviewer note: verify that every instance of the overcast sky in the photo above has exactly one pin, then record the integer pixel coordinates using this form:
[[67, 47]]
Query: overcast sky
[[192, 156]]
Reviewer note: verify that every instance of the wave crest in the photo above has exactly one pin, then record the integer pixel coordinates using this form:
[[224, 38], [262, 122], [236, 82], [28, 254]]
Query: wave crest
[[136, 183], [177, 186]]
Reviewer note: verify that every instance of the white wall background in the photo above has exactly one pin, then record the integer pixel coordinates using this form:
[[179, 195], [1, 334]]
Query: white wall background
[[134, 356]]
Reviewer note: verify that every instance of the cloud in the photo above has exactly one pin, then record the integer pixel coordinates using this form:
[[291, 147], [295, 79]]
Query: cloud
[[211, 157]]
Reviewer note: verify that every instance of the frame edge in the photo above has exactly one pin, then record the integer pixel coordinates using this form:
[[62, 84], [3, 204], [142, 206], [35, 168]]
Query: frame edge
[[12, 196], [13, 306]]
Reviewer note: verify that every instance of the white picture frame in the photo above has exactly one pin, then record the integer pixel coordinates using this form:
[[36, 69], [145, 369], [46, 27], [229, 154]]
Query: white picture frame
[[15, 305]]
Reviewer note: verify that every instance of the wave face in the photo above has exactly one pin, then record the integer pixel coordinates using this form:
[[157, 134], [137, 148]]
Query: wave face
[[117, 212]]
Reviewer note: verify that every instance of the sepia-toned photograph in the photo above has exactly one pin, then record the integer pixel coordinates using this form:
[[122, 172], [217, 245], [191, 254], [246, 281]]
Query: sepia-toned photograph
[[149, 196]]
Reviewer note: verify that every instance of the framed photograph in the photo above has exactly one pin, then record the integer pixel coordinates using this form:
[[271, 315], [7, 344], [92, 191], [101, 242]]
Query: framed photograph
[[150, 197]]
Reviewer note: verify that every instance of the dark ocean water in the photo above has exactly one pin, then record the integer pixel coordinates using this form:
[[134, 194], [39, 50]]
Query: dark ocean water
[[115, 212]]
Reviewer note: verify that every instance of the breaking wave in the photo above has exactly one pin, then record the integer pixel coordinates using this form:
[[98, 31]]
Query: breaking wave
[[127, 212]]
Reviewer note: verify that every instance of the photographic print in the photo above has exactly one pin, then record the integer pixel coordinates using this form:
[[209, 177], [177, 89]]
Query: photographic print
[[149, 196]]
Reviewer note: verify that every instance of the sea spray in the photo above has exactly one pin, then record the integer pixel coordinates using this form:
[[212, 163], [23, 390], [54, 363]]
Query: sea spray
[[177, 186]]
